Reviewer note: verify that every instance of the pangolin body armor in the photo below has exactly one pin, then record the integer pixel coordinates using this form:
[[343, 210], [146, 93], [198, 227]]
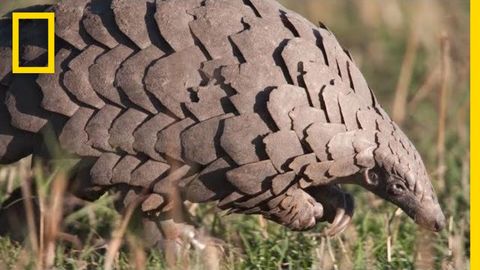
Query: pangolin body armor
[[241, 102]]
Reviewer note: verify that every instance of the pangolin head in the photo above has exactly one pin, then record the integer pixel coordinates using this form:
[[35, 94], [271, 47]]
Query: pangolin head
[[378, 156], [399, 176]]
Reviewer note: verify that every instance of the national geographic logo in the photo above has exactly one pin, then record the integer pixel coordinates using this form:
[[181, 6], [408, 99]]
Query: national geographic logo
[[16, 17]]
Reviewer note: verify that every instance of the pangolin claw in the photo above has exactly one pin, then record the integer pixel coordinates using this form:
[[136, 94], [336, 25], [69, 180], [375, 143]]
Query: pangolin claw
[[343, 216]]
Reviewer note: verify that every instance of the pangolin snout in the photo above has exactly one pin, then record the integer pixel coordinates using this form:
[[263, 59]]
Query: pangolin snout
[[439, 222], [431, 218]]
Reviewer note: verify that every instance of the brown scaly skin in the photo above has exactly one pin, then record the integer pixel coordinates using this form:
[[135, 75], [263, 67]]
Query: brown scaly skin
[[242, 102]]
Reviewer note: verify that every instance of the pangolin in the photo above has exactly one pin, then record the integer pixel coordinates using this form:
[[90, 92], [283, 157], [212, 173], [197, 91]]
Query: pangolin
[[241, 102]]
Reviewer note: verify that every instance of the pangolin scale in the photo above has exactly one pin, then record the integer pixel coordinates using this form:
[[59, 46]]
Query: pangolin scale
[[241, 102]]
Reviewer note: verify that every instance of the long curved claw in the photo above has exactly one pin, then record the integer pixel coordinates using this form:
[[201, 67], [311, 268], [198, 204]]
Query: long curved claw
[[339, 213], [332, 231], [339, 219], [343, 216]]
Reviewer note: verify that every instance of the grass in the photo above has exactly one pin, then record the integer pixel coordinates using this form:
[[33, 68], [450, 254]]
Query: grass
[[434, 85]]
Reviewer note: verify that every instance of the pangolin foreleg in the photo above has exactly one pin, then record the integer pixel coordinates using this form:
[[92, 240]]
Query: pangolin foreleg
[[300, 209], [296, 209]]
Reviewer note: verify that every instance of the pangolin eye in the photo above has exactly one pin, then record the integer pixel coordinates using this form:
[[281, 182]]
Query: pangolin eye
[[397, 188]]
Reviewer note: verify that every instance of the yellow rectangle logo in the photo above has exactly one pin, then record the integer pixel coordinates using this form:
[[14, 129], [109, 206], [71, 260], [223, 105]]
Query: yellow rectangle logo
[[16, 17]]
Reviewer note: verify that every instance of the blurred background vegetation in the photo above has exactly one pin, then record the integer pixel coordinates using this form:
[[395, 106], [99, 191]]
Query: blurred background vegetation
[[415, 56]]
